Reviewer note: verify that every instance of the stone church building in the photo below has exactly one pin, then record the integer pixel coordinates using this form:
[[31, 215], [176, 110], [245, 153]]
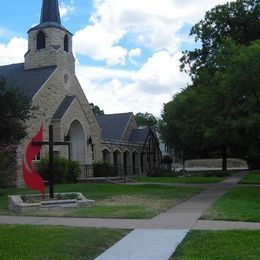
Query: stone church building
[[48, 78], [130, 149]]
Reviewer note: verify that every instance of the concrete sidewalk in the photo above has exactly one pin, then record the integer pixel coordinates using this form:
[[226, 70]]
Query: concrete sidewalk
[[145, 245], [176, 222], [186, 214], [170, 227]]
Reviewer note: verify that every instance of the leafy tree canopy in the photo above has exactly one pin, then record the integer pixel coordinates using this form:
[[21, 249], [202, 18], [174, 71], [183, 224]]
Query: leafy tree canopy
[[14, 111], [237, 20], [221, 108], [96, 110], [145, 119]]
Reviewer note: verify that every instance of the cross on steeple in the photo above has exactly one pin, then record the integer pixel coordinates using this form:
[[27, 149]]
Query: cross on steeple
[[50, 11]]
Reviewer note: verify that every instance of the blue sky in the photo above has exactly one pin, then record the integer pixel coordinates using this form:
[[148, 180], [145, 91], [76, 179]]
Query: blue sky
[[127, 51]]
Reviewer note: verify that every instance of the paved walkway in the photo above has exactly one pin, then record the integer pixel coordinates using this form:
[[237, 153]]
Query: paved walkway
[[158, 237], [145, 245]]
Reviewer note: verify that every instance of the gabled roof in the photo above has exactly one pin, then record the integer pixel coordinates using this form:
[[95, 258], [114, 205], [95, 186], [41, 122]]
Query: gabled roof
[[113, 125], [62, 109], [28, 82], [139, 135]]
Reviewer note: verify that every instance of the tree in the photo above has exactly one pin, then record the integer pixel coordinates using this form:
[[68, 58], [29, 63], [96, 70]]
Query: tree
[[145, 119], [225, 77], [237, 20], [14, 111], [221, 110], [242, 81], [96, 110]]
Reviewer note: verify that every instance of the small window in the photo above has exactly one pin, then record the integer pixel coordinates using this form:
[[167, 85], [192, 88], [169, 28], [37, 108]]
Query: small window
[[37, 157], [56, 153], [66, 43], [41, 40]]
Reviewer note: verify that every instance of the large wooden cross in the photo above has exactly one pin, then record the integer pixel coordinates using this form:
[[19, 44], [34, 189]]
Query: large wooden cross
[[51, 144]]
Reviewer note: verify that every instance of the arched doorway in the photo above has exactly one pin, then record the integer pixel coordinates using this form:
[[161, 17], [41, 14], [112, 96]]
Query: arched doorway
[[135, 160], [106, 156], [77, 142], [127, 163]]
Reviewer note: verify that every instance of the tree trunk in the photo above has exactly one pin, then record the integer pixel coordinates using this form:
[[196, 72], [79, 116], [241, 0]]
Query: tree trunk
[[224, 158], [183, 163]]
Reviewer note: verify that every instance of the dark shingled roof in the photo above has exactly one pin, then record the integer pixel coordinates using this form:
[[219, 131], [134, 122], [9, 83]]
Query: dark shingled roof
[[139, 135], [114, 125], [50, 16], [28, 82], [50, 11], [65, 104]]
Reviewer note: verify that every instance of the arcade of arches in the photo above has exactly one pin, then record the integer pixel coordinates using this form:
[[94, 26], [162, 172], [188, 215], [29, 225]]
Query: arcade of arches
[[130, 160]]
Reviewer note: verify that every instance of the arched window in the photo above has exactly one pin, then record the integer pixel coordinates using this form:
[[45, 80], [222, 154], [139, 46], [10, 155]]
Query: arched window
[[41, 40], [66, 43]]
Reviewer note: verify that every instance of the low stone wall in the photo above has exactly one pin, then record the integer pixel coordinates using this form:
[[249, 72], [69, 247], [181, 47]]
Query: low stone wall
[[216, 163], [17, 205]]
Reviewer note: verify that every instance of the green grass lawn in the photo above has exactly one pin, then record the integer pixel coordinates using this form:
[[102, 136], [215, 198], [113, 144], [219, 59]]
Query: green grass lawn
[[190, 179], [231, 245], [252, 178], [43, 242], [115, 201], [239, 204]]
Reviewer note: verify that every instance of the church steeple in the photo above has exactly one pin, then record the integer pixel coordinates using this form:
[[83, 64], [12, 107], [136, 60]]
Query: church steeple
[[50, 12], [49, 43]]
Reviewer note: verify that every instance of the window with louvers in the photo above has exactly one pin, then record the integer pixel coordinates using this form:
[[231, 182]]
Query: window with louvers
[[66, 43], [41, 40]]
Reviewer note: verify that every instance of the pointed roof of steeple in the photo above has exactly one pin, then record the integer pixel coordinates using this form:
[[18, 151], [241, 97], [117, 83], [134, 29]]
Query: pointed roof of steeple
[[50, 11], [50, 15]]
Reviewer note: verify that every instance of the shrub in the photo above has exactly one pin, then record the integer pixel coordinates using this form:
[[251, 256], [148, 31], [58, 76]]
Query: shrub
[[65, 170], [7, 166], [161, 172], [103, 169], [219, 174]]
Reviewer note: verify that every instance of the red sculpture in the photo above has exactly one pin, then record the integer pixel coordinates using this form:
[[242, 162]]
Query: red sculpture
[[31, 178]]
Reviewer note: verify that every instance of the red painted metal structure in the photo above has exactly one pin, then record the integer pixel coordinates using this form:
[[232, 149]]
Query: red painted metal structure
[[32, 179]]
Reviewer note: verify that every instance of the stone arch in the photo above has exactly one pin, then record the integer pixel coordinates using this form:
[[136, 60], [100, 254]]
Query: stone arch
[[136, 162], [77, 142], [106, 154], [41, 40], [116, 157], [127, 162], [66, 43]]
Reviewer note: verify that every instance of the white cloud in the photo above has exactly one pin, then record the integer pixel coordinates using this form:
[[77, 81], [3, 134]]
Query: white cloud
[[161, 74], [143, 90], [135, 52], [102, 74], [14, 51], [149, 23], [132, 54], [99, 44], [144, 24], [67, 9]]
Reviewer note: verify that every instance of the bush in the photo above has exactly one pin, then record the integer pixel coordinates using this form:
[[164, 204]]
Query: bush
[[161, 172], [65, 170], [7, 166], [103, 169], [219, 174]]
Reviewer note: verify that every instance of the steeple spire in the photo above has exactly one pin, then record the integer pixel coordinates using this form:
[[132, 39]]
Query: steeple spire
[[50, 12]]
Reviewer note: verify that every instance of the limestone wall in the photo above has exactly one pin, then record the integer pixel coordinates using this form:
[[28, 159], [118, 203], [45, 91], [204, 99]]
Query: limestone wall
[[45, 104]]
